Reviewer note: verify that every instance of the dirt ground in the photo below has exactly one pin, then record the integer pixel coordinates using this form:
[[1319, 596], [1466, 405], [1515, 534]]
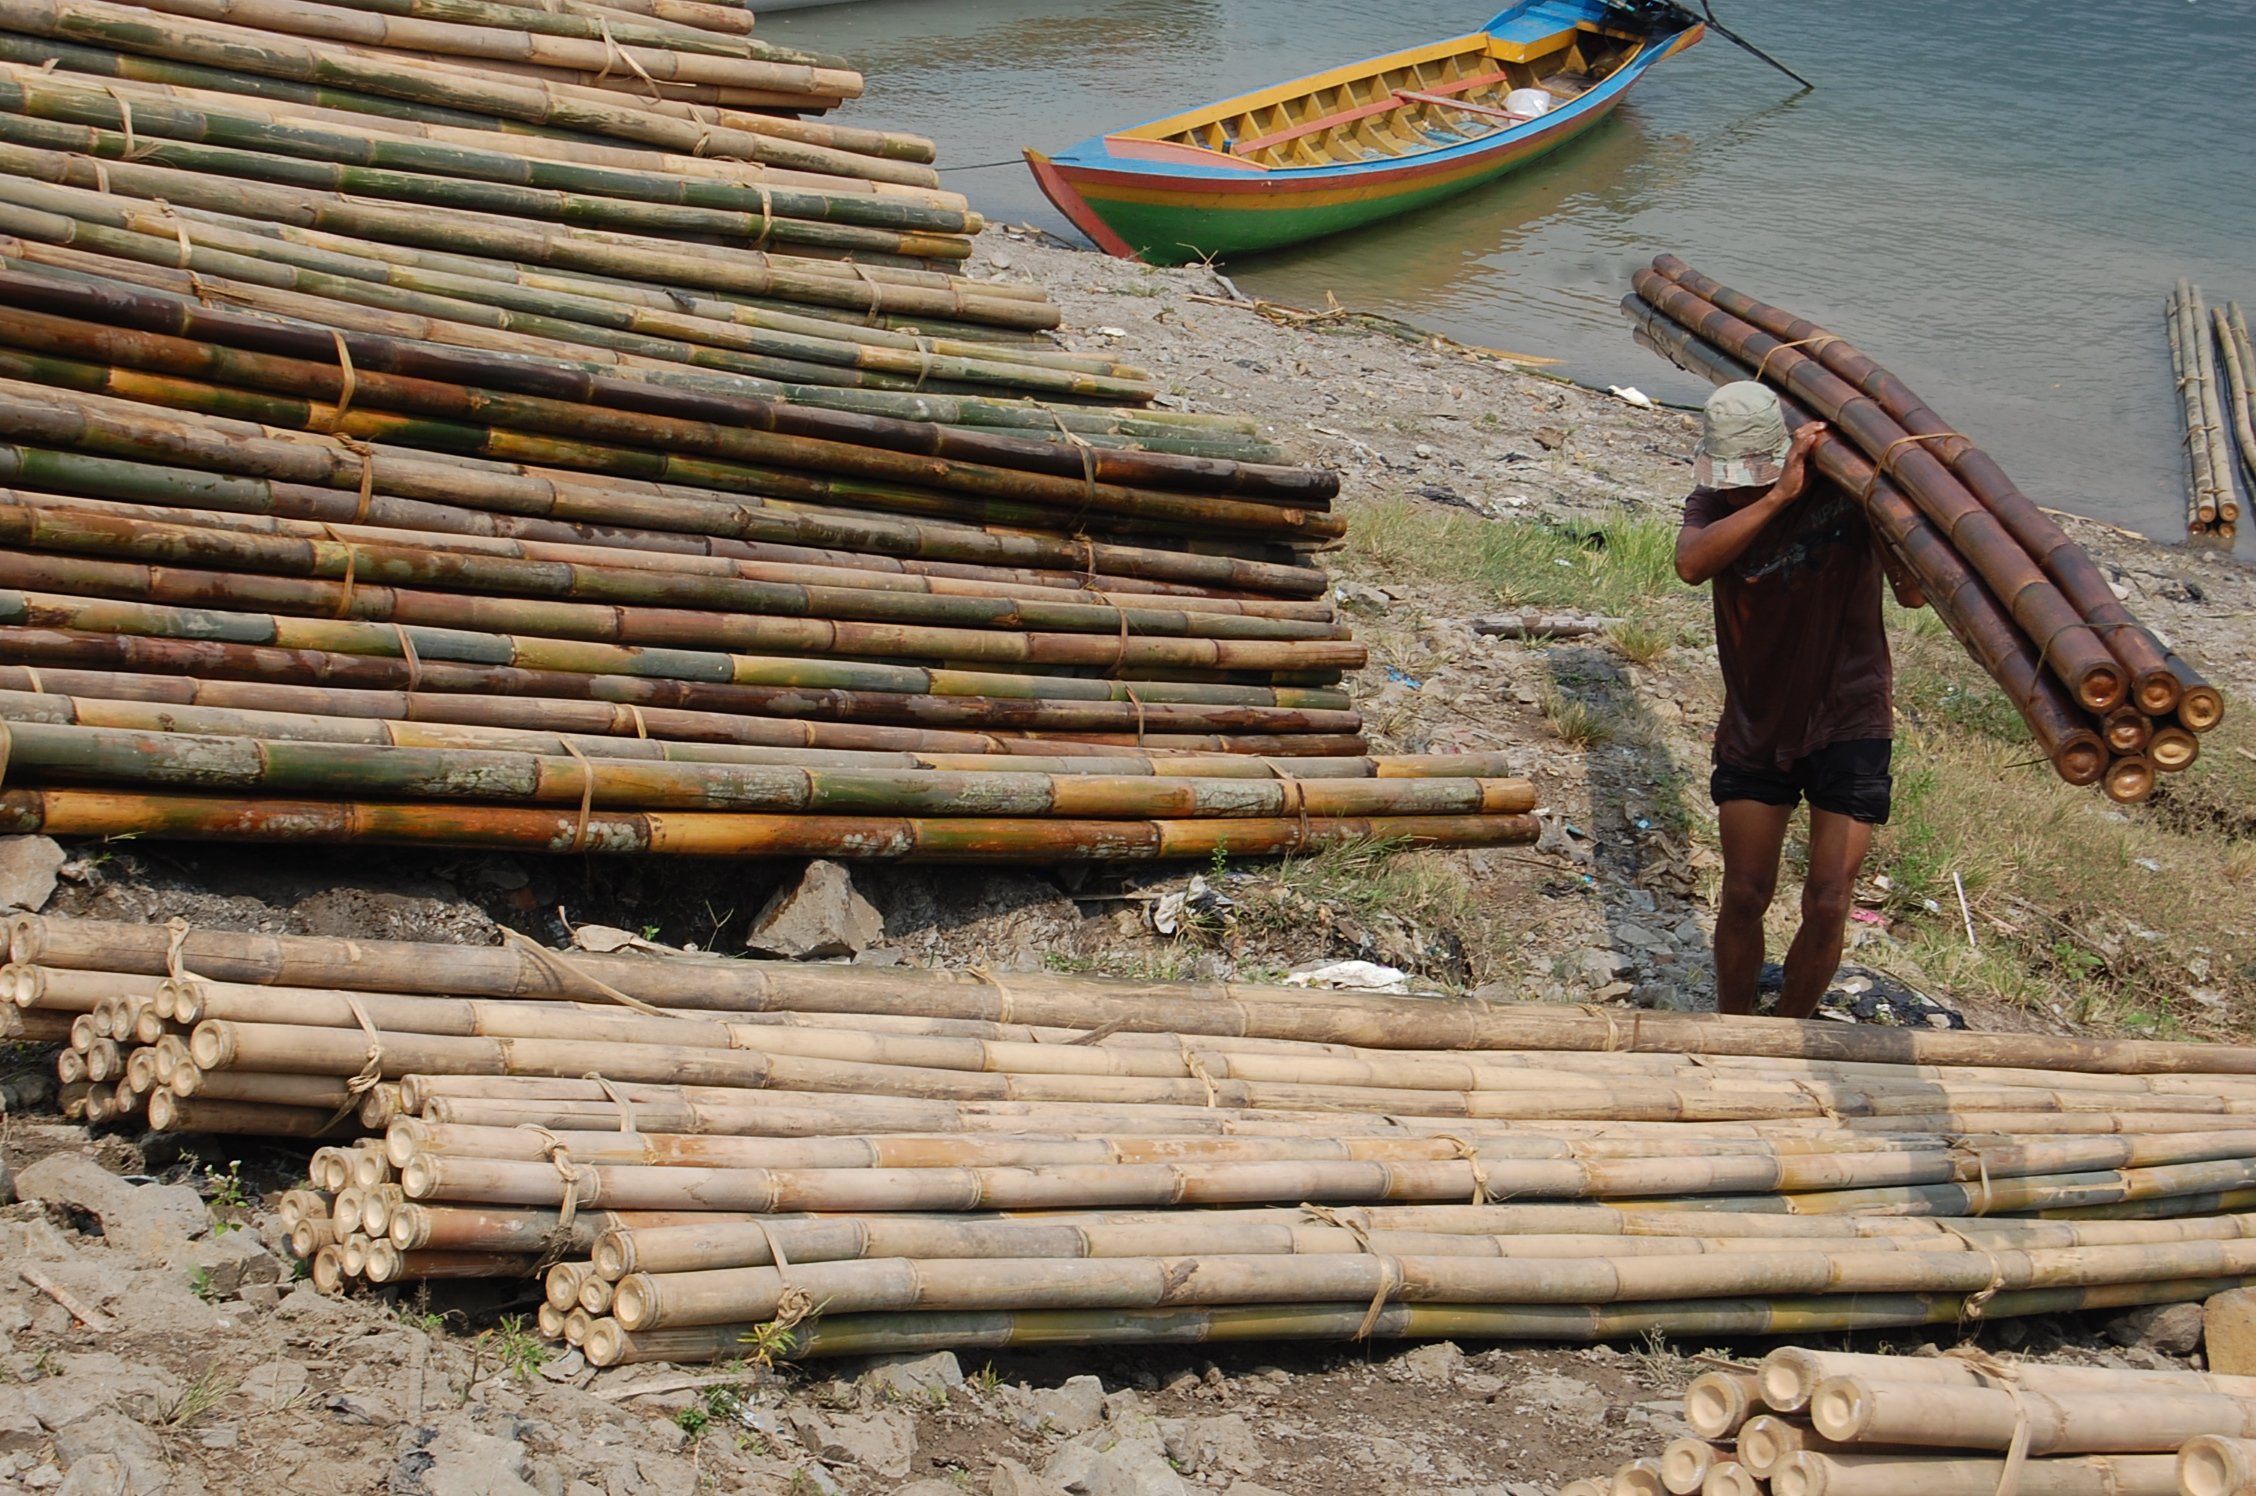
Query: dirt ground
[[214, 1371]]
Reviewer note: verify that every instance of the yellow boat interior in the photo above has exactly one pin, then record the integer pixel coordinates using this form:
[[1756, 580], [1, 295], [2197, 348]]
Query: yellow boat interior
[[1426, 98]]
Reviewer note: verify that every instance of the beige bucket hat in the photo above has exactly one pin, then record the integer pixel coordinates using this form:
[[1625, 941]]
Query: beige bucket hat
[[1743, 440]]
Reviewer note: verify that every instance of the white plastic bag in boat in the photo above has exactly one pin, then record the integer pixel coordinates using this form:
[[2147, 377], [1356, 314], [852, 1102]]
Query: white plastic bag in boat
[[1528, 101]]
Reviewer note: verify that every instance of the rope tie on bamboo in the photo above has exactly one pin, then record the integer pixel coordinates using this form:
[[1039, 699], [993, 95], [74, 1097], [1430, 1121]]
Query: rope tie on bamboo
[[587, 793], [556, 966], [348, 383], [869, 315], [1465, 1152], [767, 215], [1002, 993], [1295, 804], [612, 51], [38, 686], [367, 456], [617, 1098], [1818, 1098], [924, 358], [642, 728], [1887, 455], [133, 152], [1613, 1030], [179, 233], [1390, 1284], [1129, 689], [101, 179], [352, 560], [1340, 1221], [1199, 1072], [407, 653], [1818, 340], [1097, 1035], [1994, 1373], [560, 1158]]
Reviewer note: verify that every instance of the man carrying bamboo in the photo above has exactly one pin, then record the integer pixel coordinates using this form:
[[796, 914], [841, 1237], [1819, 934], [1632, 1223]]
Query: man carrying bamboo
[[1807, 704]]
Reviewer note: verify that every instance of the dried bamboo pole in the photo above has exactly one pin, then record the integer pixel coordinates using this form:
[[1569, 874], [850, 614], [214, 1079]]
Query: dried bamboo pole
[[2240, 367], [1864, 1410], [1790, 1376], [2077, 655], [2185, 368], [1073, 1002], [2215, 1465], [607, 1344], [1685, 1464], [1812, 1473], [57, 812], [1959, 597], [107, 426], [2223, 505], [2153, 687]]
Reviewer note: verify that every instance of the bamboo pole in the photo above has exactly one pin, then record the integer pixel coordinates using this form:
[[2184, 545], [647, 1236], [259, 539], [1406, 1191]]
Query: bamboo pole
[[1862, 1410], [2225, 505], [1959, 597], [1247, 1009], [1685, 1464], [2077, 656], [2201, 496], [1790, 1376], [2215, 1465], [105, 425], [1812, 1473], [2240, 367], [1717, 1403], [2153, 687]]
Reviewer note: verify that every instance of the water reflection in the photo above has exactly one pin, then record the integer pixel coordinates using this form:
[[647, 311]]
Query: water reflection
[[1992, 199]]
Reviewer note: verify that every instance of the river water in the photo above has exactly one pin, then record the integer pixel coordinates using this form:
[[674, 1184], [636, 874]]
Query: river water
[[1991, 198]]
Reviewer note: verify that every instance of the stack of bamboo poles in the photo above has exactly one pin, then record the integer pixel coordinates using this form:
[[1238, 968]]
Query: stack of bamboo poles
[[688, 1151], [1836, 1423], [518, 427], [2106, 700], [2212, 499]]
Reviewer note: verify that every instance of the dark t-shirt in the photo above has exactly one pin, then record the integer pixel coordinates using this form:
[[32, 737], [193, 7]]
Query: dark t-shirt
[[1797, 616]]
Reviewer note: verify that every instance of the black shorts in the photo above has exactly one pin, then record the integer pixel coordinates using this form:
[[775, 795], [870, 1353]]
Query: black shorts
[[1849, 779]]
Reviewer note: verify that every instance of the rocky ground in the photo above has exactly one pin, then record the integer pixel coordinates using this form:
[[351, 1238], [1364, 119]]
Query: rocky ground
[[151, 1340]]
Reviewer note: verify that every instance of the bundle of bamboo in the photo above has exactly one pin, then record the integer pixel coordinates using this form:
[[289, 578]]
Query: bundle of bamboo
[[2105, 699], [2238, 359], [569, 405], [2212, 501], [1963, 1423], [692, 1148]]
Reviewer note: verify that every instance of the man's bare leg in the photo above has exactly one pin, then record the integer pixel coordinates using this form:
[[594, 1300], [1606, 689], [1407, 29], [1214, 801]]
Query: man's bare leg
[[1836, 853], [1753, 834]]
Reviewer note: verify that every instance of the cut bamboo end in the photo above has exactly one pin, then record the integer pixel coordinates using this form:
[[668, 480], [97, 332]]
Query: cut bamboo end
[[2130, 780], [1731, 1480], [1639, 1477], [1685, 1464], [2217, 1465], [1718, 1402]]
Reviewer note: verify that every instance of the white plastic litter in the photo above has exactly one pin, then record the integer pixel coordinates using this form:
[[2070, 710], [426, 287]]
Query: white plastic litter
[[1532, 102], [1355, 976]]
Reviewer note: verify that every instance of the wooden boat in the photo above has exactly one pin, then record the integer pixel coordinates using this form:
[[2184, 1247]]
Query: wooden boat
[[1369, 141]]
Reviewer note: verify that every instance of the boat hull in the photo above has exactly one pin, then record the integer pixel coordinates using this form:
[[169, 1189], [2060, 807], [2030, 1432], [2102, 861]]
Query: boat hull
[[1163, 212]]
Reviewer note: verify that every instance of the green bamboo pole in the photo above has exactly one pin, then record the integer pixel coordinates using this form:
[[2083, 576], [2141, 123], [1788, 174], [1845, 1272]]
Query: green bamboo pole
[[587, 23], [528, 660], [45, 753], [774, 217], [378, 566], [184, 671], [161, 369], [170, 715], [1094, 476], [754, 67], [262, 508], [642, 161], [108, 426], [919, 383], [971, 839]]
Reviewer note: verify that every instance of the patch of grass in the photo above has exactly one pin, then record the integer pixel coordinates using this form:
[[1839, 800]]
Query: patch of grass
[[199, 1397], [2111, 916], [1623, 566], [1579, 723], [1640, 642], [1375, 877], [518, 1349]]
